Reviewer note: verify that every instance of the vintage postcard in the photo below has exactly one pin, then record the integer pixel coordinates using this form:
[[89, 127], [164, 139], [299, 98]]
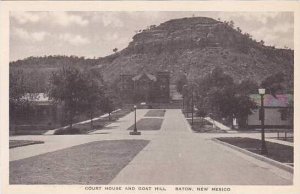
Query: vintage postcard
[[150, 97]]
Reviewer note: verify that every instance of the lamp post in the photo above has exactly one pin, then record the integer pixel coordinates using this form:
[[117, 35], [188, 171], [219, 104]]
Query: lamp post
[[134, 132], [264, 150], [184, 88], [192, 104]]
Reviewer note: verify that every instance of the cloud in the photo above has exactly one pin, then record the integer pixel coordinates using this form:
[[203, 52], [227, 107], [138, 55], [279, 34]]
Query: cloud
[[283, 28], [66, 19], [279, 35], [72, 39], [25, 17], [111, 36], [58, 18], [32, 36], [108, 19], [259, 17]]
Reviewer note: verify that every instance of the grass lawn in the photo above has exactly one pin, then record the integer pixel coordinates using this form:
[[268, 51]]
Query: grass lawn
[[98, 124], [28, 131], [289, 139], [155, 113], [278, 152], [20, 143], [147, 124], [201, 125], [92, 163]]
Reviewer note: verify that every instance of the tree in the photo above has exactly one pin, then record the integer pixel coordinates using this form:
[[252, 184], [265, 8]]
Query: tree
[[107, 106], [94, 91], [17, 86], [180, 83], [115, 50], [274, 83], [247, 87], [218, 94], [262, 42], [231, 24], [213, 92], [244, 106], [67, 86], [21, 91], [17, 89]]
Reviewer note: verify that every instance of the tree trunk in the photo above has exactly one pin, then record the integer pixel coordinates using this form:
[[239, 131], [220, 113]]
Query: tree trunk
[[91, 121], [71, 120]]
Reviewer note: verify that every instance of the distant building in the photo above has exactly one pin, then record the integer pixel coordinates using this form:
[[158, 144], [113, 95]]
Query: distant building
[[146, 87], [276, 111], [41, 110]]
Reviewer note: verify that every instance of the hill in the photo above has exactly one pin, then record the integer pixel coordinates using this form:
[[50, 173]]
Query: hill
[[191, 46]]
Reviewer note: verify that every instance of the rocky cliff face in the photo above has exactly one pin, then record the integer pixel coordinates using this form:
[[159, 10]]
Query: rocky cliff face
[[191, 46], [194, 46]]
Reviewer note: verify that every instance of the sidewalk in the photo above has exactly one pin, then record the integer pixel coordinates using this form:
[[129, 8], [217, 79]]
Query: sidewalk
[[178, 156], [217, 124]]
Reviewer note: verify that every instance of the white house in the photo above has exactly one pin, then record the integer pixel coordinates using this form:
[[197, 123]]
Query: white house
[[277, 109]]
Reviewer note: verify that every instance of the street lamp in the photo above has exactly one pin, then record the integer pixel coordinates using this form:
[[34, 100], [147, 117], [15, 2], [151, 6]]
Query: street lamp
[[184, 90], [264, 150], [134, 132], [192, 104]]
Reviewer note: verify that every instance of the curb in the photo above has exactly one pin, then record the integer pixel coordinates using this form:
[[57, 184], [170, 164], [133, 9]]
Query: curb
[[32, 143], [257, 156], [52, 131]]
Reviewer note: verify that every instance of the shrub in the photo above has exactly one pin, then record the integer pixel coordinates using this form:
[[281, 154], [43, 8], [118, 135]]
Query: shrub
[[67, 131]]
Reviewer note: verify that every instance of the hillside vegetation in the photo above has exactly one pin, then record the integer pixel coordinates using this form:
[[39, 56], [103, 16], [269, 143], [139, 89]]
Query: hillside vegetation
[[190, 46]]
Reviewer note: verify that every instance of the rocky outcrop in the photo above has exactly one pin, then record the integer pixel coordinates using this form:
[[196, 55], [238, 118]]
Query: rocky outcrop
[[191, 46], [194, 46]]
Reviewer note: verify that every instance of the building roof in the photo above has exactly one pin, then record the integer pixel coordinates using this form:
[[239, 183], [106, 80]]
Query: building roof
[[38, 98], [139, 76], [281, 100]]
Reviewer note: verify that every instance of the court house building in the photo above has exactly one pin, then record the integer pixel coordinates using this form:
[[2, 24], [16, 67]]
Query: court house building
[[146, 87]]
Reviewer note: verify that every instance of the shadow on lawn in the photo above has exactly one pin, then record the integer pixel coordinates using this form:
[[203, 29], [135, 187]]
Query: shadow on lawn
[[95, 163]]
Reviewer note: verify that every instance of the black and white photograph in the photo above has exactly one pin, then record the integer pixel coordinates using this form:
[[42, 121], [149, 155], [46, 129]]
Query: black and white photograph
[[197, 100]]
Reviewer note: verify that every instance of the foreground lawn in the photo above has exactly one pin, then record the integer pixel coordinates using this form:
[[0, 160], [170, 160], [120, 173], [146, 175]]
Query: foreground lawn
[[91, 163], [278, 152], [155, 113], [147, 124], [20, 143]]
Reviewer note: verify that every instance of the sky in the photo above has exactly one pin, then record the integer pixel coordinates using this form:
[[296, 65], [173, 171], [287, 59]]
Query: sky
[[96, 34]]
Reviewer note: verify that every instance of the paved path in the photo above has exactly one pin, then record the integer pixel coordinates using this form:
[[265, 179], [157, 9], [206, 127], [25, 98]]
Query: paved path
[[178, 156], [218, 124]]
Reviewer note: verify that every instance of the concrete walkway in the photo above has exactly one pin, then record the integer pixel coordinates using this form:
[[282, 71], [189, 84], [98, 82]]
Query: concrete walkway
[[217, 124], [178, 156]]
